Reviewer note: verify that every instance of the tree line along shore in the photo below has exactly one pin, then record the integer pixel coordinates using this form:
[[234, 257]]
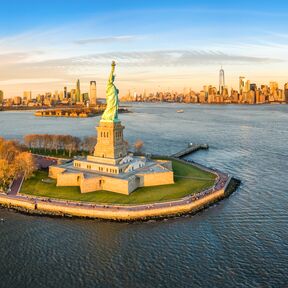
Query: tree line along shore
[[68, 145], [15, 161], [16, 158]]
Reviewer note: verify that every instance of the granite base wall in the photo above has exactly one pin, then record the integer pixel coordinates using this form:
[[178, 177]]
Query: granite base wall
[[114, 212]]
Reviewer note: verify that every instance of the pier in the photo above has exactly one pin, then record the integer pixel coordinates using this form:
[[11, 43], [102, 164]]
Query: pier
[[190, 149]]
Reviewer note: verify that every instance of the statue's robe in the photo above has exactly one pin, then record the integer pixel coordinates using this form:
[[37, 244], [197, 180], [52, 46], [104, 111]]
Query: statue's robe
[[111, 112]]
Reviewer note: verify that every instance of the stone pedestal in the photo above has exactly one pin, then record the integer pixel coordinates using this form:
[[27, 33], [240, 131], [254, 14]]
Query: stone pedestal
[[110, 142]]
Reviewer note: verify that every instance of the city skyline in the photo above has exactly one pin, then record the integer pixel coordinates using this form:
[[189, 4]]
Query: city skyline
[[170, 48]]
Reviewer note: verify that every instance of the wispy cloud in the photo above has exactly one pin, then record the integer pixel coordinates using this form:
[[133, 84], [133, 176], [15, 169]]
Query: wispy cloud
[[82, 66], [109, 39], [29, 81], [17, 57], [163, 58], [23, 71]]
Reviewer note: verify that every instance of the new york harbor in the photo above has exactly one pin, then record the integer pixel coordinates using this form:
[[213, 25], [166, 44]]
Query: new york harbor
[[143, 144]]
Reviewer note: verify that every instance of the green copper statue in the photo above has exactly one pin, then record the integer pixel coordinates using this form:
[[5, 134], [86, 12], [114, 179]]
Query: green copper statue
[[111, 112]]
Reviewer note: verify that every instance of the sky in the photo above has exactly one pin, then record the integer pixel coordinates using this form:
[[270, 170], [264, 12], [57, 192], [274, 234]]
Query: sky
[[157, 45]]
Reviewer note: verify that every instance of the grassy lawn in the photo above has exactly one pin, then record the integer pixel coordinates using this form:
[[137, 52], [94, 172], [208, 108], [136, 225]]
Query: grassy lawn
[[181, 188]]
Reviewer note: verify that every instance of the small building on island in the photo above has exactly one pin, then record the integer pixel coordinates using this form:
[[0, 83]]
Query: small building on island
[[111, 168]]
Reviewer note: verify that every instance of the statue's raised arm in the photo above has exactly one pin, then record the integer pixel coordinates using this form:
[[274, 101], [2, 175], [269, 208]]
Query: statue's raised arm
[[111, 112], [112, 77]]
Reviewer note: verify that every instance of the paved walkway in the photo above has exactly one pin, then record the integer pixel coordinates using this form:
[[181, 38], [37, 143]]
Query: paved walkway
[[43, 162], [15, 187]]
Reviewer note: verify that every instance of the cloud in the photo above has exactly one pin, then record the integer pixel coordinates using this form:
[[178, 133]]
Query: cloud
[[137, 68], [167, 58], [17, 57], [29, 81], [84, 66], [110, 39], [10, 58]]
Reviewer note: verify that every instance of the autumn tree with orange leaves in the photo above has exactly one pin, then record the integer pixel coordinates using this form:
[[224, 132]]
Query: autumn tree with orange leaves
[[138, 145], [14, 162]]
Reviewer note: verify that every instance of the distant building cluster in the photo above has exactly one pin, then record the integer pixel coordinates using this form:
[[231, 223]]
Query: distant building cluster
[[64, 97], [248, 93]]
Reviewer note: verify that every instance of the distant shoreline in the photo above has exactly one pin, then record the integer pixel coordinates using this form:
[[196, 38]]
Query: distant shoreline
[[197, 103], [124, 105]]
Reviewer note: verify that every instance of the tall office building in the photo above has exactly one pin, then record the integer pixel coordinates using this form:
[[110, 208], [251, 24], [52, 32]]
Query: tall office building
[[27, 95], [73, 95], [253, 87], [61, 95], [274, 90], [55, 96], [221, 81], [286, 92], [273, 87], [65, 93], [241, 84], [78, 92], [93, 93], [17, 100], [1, 97], [247, 86], [85, 97]]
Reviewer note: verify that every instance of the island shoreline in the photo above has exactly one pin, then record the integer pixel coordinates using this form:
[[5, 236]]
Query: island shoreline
[[126, 213]]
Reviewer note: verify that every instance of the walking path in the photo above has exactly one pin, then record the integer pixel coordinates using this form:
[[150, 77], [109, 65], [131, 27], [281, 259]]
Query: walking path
[[43, 162], [16, 185]]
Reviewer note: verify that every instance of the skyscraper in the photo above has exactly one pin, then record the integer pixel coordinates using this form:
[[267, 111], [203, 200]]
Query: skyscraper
[[65, 93], [253, 87], [273, 87], [27, 95], [1, 97], [247, 86], [78, 92], [61, 95], [93, 93], [221, 81], [286, 92], [241, 84], [73, 95]]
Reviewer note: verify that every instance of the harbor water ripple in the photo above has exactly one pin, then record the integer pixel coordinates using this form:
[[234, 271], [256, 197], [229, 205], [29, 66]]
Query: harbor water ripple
[[240, 242]]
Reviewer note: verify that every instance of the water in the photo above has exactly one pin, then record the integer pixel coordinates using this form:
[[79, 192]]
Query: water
[[240, 242]]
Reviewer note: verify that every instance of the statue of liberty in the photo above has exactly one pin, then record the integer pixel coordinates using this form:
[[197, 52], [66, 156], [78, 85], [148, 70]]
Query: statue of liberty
[[111, 112]]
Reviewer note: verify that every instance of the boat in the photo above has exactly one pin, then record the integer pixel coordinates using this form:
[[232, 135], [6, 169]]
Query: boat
[[180, 111]]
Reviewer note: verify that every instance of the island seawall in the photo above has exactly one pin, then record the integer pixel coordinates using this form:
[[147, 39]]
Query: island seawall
[[186, 205]]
